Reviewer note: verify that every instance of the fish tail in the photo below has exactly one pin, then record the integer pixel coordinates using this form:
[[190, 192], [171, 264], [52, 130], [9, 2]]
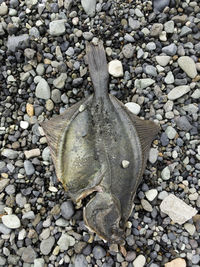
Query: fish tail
[[98, 68]]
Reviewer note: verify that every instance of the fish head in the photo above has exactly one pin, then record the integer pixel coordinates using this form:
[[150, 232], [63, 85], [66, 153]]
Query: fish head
[[102, 215]]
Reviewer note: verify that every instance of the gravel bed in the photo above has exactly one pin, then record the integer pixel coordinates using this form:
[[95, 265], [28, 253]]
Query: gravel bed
[[154, 63]]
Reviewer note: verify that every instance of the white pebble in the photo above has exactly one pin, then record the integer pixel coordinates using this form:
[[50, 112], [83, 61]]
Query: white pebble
[[125, 164], [133, 107], [115, 68]]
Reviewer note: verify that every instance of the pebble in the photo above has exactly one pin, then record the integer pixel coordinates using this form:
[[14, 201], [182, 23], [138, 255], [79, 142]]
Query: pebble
[[151, 70], [146, 205], [144, 83], [178, 92], [177, 209], [185, 31], [24, 124], [98, 252], [187, 64], [134, 24], [89, 7], [46, 245], [125, 164], [67, 210], [60, 81], [16, 41], [133, 107], [56, 96], [128, 51], [39, 262], [140, 261], [4, 230], [28, 255], [3, 9], [183, 123], [42, 89], [196, 94], [29, 168], [11, 221], [190, 228], [115, 68], [170, 132], [30, 109], [170, 50], [165, 174], [163, 60], [169, 26], [80, 261], [9, 153], [156, 29], [3, 184], [65, 241], [169, 79], [151, 194], [57, 27], [176, 263], [32, 153]]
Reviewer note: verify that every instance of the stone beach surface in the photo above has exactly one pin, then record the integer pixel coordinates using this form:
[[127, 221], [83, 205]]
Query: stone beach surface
[[153, 52]]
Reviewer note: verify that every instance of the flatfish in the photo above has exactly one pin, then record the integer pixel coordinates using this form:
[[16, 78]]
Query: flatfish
[[99, 147]]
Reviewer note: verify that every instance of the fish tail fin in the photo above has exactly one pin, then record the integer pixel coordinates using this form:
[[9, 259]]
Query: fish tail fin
[[98, 68]]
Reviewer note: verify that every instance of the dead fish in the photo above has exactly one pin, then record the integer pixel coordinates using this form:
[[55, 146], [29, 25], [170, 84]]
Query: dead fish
[[98, 146]]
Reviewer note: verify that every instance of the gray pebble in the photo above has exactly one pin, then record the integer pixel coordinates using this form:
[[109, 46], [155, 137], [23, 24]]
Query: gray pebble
[[67, 210], [183, 123], [29, 168], [28, 255], [98, 252], [47, 245], [170, 50], [80, 261], [9, 153]]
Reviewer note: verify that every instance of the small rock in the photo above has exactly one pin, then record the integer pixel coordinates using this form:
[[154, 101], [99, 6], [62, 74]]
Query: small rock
[[29, 53], [153, 155], [156, 29], [187, 64], [139, 261], [151, 46], [30, 109], [46, 245], [42, 89], [65, 241], [143, 83], [80, 261], [176, 263], [57, 27], [67, 210], [29, 168], [183, 123], [15, 42], [170, 50], [28, 255], [3, 184], [134, 24], [133, 107], [169, 79], [24, 124], [20, 200], [185, 31], [32, 153], [177, 209], [170, 132], [125, 164], [190, 228], [98, 252], [89, 7], [11, 221], [128, 51], [169, 26], [163, 60], [60, 81], [151, 70], [146, 205], [56, 96], [196, 94], [9, 153], [178, 92], [165, 174], [115, 68], [3, 9], [4, 230], [151, 194], [39, 262]]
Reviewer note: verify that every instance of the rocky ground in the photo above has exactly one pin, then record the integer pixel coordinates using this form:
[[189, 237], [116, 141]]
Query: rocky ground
[[43, 72]]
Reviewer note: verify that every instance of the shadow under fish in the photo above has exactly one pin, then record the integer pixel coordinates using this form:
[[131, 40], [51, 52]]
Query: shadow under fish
[[98, 145]]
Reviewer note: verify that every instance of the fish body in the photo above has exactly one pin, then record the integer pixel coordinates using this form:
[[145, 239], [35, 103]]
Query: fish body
[[98, 145]]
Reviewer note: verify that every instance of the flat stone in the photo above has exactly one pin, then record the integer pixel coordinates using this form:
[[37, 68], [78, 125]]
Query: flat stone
[[42, 89], [133, 23], [170, 132], [169, 26], [139, 261], [89, 7], [170, 50], [165, 174], [176, 263], [178, 92], [15, 42], [3, 184], [28, 255], [65, 241], [153, 155], [183, 123], [11, 221], [151, 194], [67, 210], [133, 107], [187, 64], [9, 153], [146, 205], [143, 83], [177, 209], [163, 60], [190, 228], [185, 31], [46, 245], [57, 27], [29, 168], [39, 262], [115, 68], [32, 153], [169, 79], [59, 82]]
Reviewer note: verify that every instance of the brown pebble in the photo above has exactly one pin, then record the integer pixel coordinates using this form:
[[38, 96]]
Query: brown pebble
[[30, 109], [176, 263]]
